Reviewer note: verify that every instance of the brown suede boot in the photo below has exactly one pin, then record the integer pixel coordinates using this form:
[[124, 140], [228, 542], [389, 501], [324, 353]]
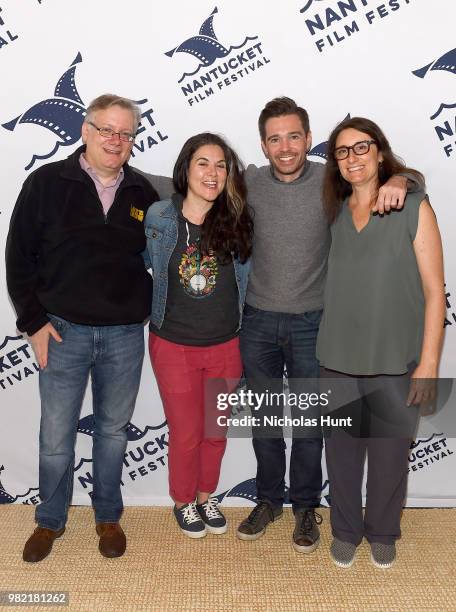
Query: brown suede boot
[[112, 540], [39, 544]]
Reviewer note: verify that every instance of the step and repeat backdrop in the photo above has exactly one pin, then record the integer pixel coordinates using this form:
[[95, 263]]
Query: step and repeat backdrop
[[212, 66]]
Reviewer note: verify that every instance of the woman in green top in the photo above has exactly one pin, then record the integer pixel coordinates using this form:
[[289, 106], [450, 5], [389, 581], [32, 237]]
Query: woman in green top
[[383, 327]]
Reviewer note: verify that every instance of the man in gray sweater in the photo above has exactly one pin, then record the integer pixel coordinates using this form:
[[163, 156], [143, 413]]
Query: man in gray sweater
[[283, 309]]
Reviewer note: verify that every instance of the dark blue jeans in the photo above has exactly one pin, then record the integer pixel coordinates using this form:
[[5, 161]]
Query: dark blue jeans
[[113, 356], [271, 341]]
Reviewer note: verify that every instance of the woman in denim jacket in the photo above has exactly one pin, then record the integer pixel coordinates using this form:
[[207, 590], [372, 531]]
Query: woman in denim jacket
[[198, 245]]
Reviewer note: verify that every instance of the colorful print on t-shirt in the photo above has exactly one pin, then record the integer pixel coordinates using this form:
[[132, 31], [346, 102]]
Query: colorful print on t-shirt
[[198, 272]]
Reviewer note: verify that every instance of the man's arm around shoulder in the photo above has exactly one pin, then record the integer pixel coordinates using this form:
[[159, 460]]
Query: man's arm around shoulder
[[163, 185]]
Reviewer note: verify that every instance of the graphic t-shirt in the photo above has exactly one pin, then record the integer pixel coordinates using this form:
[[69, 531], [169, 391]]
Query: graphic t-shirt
[[202, 305]]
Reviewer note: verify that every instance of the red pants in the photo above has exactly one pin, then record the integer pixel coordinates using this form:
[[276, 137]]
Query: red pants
[[182, 372]]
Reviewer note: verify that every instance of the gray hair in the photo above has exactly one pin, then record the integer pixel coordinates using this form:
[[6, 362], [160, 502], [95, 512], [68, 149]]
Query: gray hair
[[107, 100]]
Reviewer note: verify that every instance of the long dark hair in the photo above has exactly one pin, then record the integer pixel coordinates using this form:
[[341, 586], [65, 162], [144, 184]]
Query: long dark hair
[[228, 227], [335, 187]]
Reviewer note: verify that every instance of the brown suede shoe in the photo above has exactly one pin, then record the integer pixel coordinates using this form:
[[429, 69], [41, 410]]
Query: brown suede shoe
[[39, 544], [112, 540]]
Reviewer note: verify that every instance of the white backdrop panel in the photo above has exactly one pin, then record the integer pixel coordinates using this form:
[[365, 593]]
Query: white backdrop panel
[[334, 58]]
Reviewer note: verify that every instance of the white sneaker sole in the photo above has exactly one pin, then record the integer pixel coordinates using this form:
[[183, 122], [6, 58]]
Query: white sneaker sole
[[194, 534], [306, 549], [249, 537], [216, 530], [381, 565], [345, 565]]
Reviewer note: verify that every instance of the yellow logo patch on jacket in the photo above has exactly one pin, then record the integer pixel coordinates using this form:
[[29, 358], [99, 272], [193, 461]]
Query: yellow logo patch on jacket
[[136, 213]]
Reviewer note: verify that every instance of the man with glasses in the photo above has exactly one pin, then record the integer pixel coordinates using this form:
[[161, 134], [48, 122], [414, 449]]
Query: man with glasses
[[76, 277]]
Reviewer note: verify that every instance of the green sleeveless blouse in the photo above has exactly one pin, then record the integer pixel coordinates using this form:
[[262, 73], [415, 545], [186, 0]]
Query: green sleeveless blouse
[[373, 314]]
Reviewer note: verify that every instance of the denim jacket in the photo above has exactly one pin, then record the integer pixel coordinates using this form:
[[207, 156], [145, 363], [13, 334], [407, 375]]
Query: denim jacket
[[161, 233]]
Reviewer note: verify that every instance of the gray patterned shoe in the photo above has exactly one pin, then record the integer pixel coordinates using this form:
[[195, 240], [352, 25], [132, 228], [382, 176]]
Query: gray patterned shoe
[[342, 553], [383, 555]]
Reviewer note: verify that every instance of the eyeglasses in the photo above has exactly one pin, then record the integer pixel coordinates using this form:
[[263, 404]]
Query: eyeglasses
[[108, 133], [359, 148]]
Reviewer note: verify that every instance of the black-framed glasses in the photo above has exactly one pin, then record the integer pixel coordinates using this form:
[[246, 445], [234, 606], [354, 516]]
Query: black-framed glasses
[[359, 148], [108, 133]]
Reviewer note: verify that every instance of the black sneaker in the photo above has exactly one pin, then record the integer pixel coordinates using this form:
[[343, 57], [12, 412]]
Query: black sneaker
[[212, 516], [255, 524], [190, 521], [306, 535]]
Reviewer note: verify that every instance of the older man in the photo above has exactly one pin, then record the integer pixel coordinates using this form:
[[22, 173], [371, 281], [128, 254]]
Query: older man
[[77, 280]]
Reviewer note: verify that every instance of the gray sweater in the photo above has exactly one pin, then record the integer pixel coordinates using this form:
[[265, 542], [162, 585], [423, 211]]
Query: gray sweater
[[291, 240]]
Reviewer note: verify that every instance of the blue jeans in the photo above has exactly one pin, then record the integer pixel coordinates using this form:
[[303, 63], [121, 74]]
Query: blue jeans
[[113, 355], [269, 342]]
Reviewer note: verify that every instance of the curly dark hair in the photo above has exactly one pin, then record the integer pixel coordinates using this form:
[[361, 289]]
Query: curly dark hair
[[227, 229], [335, 187]]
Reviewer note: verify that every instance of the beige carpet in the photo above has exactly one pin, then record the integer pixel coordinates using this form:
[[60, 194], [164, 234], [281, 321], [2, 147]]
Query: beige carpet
[[164, 570]]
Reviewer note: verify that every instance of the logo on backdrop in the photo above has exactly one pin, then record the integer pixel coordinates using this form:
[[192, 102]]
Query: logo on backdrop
[[444, 118], [29, 498], [147, 452], [238, 62], [6, 36], [450, 318], [339, 21], [424, 453], [64, 114], [148, 135], [321, 150], [247, 490], [447, 63], [308, 4], [17, 361]]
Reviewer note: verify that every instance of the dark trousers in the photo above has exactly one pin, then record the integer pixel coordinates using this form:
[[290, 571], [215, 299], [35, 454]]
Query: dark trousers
[[270, 342], [378, 414]]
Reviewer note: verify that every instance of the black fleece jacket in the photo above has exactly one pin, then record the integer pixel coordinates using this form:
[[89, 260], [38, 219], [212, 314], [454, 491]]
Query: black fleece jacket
[[63, 256]]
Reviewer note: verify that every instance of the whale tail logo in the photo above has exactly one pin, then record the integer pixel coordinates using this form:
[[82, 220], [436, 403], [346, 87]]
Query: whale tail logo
[[247, 490], [321, 150], [6, 498], [205, 46], [86, 426], [62, 114], [446, 62]]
